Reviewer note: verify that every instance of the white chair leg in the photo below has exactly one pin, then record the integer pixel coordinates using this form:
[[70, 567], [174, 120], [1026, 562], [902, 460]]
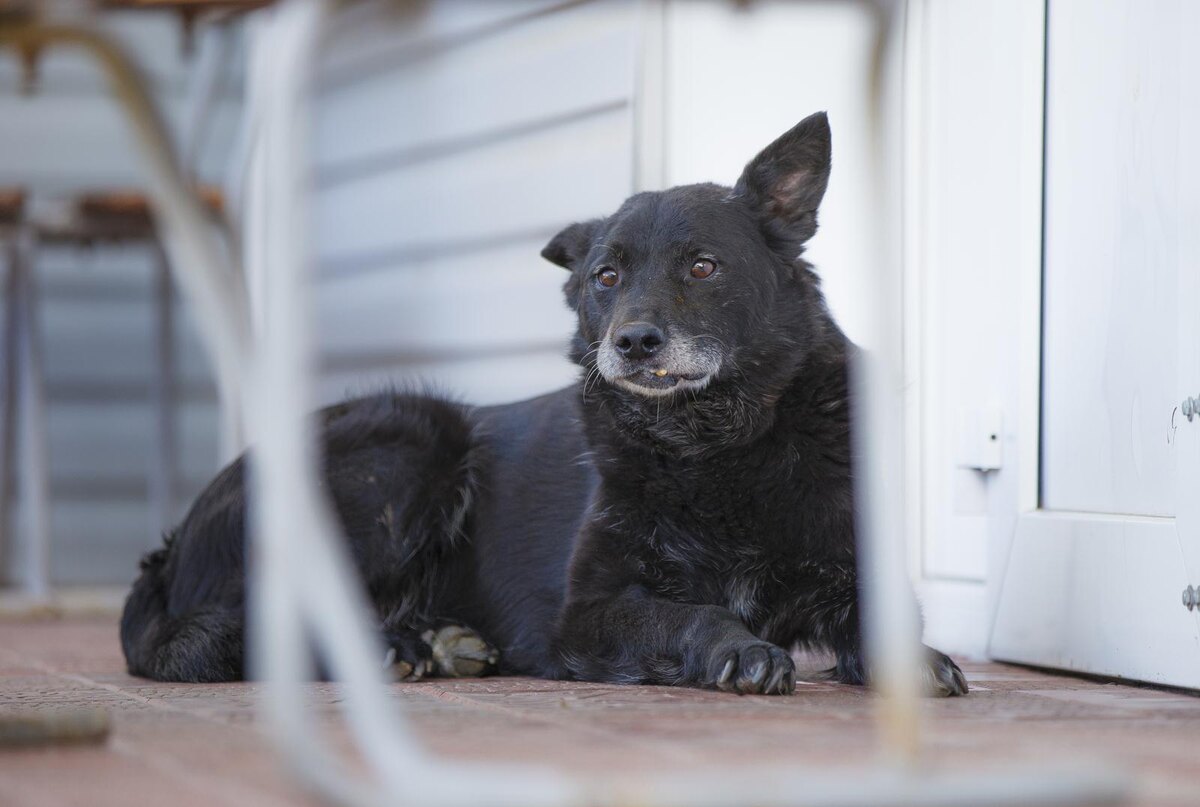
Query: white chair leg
[[8, 430], [33, 468], [162, 468]]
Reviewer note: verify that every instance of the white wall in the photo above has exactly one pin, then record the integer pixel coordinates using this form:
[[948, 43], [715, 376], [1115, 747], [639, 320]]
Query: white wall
[[453, 142]]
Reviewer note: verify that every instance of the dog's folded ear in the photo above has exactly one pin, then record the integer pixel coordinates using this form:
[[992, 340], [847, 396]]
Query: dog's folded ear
[[786, 181], [572, 244]]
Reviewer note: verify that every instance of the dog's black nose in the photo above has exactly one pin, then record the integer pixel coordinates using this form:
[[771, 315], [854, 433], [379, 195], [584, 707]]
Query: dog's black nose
[[638, 340]]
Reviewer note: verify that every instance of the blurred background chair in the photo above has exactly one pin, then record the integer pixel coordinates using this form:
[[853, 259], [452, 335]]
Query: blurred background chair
[[128, 421], [96, 221]]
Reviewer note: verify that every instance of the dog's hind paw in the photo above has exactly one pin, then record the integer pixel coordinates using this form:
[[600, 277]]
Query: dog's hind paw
[[459, 652], [942, 677]]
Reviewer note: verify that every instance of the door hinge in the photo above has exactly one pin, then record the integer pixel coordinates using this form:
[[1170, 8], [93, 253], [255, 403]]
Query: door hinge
[[1191, 408]]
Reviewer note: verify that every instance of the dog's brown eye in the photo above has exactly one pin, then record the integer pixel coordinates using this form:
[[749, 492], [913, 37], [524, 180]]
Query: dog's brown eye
[[703, 268], [607, 277]]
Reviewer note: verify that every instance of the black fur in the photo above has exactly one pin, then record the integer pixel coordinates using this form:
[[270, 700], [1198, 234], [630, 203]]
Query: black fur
[[684, 515]]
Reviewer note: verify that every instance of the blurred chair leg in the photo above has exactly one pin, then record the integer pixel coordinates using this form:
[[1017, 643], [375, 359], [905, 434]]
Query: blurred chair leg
[[161, 479], [8, 451], [33, 468]]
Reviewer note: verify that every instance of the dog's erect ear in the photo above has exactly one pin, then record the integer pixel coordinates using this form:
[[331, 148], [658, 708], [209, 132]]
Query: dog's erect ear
[[786, 181], [572, 244]]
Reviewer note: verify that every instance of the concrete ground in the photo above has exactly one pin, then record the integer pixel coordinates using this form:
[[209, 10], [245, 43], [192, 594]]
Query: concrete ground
[[202, 744]]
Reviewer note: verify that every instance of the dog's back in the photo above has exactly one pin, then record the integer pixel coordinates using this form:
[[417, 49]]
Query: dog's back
[[401, 470]]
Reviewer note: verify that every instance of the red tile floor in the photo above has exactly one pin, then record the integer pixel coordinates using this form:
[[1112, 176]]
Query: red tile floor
[[202, 744]]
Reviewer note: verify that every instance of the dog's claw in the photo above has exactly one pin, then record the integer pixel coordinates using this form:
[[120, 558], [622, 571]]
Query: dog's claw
[[404, 671], [780, 683], [752, 679], [758, 668], [943, 678]]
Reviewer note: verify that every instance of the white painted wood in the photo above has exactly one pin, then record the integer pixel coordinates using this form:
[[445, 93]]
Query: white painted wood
[[538, 183], [564, 64], [96, 443], [482, 301], [962, 267], [1112, 237], [452, 141], [649, 96], [1185, 435], [108, 340], [483, 380], [367, 37], [1098, 594], [96, 541], [69, 143], [972, 284], [973, 84], [956, 615]]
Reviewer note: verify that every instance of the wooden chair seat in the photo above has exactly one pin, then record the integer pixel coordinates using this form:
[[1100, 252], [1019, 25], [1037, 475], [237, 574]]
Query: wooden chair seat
[[12, 205]]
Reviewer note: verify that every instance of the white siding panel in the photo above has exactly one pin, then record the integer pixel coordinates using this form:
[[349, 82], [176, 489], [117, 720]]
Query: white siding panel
[[110, 341], [452, 142], [98, 542], [366, 36], [97, 442], [571, 172], [547, 68], [60, 144], [484, 380], [481, 301]]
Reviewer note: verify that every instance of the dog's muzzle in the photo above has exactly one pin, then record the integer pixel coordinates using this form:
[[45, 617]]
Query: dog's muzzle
[[642, 360]]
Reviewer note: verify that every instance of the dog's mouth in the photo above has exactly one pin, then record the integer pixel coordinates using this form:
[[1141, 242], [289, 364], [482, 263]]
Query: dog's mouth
[[657, 380]]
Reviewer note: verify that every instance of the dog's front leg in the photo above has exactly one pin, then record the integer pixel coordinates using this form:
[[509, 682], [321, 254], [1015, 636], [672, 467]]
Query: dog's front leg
[[627, 633]]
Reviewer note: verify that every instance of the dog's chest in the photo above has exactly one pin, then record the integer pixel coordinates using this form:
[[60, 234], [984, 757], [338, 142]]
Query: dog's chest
[[728, 533]]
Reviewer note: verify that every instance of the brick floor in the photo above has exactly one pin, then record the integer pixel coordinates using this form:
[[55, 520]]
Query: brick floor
[[201, 744]]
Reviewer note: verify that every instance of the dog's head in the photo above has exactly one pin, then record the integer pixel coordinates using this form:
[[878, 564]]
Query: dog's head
[[682, 289]]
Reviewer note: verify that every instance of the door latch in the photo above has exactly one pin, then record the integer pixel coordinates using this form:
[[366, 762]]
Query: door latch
[[1191, 597]]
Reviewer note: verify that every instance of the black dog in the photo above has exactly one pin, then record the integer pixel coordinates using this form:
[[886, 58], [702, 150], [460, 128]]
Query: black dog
[[684, 515]]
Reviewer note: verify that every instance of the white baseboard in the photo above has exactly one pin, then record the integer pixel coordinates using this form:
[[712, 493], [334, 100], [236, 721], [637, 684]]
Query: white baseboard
[[956, 616]]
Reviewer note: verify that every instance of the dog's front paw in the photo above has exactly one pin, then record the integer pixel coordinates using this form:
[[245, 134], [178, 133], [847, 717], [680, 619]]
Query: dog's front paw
[[754, 668], [943, 678]]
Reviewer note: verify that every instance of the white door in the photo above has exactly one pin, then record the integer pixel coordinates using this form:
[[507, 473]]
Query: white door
[[1097, 572]]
